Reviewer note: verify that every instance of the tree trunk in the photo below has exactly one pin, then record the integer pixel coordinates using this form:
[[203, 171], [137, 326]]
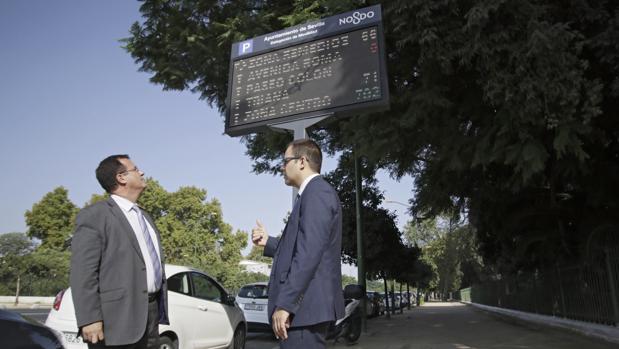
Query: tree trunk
[[386, 298], [17, 290], [393, 297], [401, 307], [418, 296], [408, 295]]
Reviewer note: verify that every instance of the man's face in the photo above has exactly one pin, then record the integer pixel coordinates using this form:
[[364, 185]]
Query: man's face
[[290, 168], [133, 178]]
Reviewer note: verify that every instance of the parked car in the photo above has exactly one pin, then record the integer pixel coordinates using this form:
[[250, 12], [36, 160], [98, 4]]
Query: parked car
[[397, 301], [381, 302], [403, 299], [20, 331], [406, 297], [374, 299], [394, 302], [253, 299], [202, 314], [370, 307]]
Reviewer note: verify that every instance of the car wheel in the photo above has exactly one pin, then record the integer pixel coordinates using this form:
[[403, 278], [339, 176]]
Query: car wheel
[[166, 343], [238, 341]]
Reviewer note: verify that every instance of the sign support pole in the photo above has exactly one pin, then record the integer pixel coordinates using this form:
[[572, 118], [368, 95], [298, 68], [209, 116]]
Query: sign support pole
[[299, 127], [360, 242]]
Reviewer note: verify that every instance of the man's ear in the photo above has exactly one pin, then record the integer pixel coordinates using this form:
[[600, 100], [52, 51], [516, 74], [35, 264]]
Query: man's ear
[[120, 179]]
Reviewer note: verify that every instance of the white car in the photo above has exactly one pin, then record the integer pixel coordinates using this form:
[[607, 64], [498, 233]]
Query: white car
[[202, 314], [253, 299]]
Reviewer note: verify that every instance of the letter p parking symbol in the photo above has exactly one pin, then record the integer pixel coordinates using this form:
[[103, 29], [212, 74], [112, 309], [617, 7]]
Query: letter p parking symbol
[[246, 47]]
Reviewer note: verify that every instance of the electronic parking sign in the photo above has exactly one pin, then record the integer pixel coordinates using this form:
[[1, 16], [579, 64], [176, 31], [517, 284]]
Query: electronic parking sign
[[332, 65]]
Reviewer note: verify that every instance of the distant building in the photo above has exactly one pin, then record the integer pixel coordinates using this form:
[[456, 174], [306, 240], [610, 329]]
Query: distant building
[[255, 267]]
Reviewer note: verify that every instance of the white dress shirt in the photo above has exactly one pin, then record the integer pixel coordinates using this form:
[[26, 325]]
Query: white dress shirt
[[132, 216], [304, 184]]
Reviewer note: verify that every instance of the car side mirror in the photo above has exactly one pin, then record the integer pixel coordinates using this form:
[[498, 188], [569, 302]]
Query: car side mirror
[[229, 300]]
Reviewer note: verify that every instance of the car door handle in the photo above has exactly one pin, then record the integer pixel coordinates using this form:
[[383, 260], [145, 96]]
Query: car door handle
[[202, 307]]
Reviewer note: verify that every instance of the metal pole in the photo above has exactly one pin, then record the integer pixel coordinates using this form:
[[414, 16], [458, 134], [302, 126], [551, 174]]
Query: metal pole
[[561, 294], [613, 290], [386, 300], [535, 293], [299, 133], [299, 129], [360, 264]]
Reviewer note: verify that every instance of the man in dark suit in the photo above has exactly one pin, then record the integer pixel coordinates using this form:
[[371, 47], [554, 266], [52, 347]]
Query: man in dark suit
[[117, 276], [305, 287]]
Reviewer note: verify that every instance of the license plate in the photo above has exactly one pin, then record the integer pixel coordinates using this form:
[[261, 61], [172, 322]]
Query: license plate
[[258, 307], [71, 337]]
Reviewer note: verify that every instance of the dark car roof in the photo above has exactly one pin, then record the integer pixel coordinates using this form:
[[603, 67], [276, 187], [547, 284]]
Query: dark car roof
[[26, 332]]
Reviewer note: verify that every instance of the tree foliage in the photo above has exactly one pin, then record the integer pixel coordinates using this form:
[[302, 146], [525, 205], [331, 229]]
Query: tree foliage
[[449, 258], [13, 248], [36, 270], [47, 272], [51, 220], [348, 280], [257, 254], [504, 110], [194, 233], [15, 244], [382, 242]]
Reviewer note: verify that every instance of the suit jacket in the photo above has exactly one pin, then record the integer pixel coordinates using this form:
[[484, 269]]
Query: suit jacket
[[108, 274], [306, 277]]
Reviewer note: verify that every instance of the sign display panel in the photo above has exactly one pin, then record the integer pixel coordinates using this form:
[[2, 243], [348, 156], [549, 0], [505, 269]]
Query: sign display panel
[[332, 65]]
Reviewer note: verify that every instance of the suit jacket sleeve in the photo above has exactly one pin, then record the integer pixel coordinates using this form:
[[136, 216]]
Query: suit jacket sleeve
[[317, 216], [270, 247], [86, 251]]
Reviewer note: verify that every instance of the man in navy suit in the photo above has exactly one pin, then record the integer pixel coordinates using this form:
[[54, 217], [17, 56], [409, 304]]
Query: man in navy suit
[[305, 287]]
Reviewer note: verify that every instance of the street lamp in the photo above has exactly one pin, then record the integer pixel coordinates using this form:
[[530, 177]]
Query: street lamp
[[397, 202]]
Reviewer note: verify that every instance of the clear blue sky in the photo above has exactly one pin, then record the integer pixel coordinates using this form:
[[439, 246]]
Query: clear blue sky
[[70, 96]]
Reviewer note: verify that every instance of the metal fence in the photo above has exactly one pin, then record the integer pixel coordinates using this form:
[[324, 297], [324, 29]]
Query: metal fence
[[586, 292]]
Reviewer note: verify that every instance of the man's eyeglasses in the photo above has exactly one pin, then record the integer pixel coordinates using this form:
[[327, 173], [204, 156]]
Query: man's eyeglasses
[[286, 160], [135, 169]]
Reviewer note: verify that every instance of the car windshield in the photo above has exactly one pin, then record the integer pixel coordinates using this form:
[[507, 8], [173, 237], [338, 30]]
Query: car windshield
[[253, 291]]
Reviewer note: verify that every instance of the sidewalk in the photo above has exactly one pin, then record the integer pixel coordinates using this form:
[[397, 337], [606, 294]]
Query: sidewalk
[[458, 326]]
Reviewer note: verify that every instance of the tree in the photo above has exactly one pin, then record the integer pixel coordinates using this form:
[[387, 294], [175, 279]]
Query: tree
[[382, 241], [155, 199], [47, 272], [449, 253], [420, 232], [374, 285], [504, 110], [51, 220], [249, 278], [14, 247], [94, 198], [16, 244], [348, 280], [194, 233], [31, 270], [256, 254]]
